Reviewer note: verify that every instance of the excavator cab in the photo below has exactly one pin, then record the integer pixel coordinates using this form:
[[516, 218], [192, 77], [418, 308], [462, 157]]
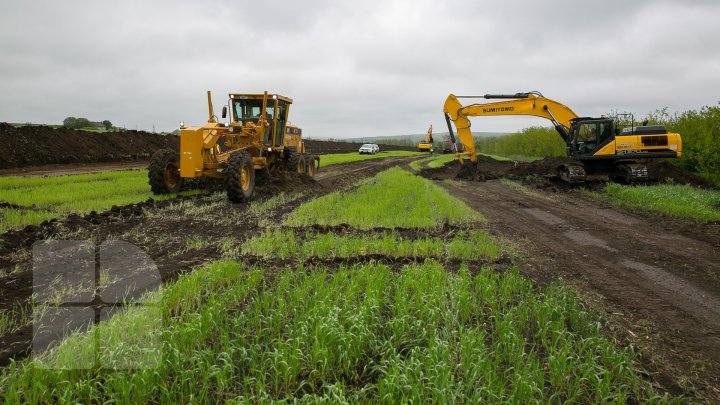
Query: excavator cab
[[589, 135]]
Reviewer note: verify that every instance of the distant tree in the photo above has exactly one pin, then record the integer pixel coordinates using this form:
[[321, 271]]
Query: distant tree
[[82, 123], [107, 124], [70, 122]]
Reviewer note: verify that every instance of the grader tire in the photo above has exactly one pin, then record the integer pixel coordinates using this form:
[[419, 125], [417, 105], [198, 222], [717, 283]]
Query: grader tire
[[240, 177], [310, 166], [163, 174], [296, 164]]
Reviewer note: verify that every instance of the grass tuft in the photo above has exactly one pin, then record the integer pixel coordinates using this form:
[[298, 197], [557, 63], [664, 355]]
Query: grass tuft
[[682, 201]]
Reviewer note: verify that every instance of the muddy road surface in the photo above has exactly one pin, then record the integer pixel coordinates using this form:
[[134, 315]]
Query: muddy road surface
[[655, 280]]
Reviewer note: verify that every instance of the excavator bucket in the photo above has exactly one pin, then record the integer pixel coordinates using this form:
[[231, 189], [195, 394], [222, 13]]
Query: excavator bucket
[[468, 170]]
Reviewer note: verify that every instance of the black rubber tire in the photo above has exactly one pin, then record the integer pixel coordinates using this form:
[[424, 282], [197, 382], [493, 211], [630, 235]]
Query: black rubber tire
[[240, 177], [163, 174], [310, 165], [296, 164]]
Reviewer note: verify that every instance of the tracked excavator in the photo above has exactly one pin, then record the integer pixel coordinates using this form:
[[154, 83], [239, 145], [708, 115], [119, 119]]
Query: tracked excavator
[[596, 145], [427, 145]]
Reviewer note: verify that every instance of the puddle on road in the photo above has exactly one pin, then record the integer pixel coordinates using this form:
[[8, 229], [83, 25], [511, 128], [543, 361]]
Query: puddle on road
[[675, 285], [543, 216], [584, 238]]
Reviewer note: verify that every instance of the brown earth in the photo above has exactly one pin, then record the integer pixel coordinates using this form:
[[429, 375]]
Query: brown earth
[[40, 145], [655, 280], [35, 146]]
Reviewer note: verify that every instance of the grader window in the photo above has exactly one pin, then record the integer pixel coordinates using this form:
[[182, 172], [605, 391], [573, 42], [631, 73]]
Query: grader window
[[247, 110]]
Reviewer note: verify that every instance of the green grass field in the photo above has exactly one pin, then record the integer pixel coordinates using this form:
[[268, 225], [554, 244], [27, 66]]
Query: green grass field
[[43, 198], [394, 198], [682, 201]]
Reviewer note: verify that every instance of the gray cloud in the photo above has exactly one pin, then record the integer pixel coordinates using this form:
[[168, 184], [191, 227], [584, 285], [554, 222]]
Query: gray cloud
[[353, 68]]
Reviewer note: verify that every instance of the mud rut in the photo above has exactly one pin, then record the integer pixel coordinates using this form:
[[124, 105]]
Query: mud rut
[[655, 280], [162, 229]]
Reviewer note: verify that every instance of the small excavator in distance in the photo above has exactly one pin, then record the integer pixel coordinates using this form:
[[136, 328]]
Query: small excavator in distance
[[256, 142], [427, 145], [596, 145]]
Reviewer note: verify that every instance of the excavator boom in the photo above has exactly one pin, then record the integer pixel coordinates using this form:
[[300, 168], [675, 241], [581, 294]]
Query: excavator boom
[[531, 103]]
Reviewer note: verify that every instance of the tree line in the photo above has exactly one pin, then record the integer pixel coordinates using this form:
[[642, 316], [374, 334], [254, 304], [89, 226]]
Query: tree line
[[79, 123], [533, 141]]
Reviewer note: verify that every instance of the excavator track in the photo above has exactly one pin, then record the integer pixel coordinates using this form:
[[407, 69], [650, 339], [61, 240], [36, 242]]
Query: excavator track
[[572, 174], [634, 172]]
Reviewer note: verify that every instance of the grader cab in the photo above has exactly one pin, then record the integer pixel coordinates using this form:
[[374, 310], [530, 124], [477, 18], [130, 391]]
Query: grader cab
[[250, 147]]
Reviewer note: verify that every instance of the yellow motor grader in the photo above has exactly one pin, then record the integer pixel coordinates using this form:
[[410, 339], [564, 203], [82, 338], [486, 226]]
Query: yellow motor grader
[[257, 141]]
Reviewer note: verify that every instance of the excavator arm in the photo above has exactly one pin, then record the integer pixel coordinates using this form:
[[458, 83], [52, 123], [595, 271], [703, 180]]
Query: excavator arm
[[531, 103], [428, 136]]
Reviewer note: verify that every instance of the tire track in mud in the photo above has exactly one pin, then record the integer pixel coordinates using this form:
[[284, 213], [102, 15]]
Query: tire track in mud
[[207, 217], [644, 269]]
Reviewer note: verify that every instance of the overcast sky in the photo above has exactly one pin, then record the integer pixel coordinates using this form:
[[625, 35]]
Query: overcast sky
[[353, 68]]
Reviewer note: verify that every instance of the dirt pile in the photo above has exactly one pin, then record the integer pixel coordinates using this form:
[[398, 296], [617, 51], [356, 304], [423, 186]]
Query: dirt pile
[[38, 145], [543, 173]]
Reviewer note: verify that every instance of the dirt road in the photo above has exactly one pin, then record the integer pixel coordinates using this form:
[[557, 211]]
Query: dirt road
[[656, 281]]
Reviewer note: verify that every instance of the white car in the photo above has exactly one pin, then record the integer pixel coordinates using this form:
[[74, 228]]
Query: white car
[[368, 148]]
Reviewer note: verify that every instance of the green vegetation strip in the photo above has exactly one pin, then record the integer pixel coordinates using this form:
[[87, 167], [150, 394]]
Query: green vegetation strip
[[337, 158], [358, 334], [43, 198], [441, 161], [682, 201], [283, 244], [393, 198]]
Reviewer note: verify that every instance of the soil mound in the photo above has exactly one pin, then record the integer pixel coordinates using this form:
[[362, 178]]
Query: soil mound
[[38, 145], [543, 173]]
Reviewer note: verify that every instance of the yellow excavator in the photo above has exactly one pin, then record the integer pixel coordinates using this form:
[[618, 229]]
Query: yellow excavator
[[597, 146], [427, 145]]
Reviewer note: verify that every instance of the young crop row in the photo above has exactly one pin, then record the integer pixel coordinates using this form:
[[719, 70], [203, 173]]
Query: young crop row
[[393, 198], [360, 333], [465, 245]]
